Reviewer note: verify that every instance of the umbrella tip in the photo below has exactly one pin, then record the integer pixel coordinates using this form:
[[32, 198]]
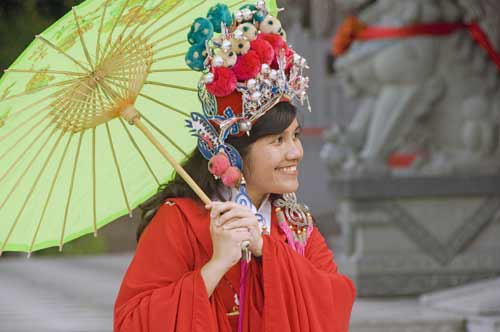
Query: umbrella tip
[[60, 248], [1, 252], [28, 255], [95, 233]]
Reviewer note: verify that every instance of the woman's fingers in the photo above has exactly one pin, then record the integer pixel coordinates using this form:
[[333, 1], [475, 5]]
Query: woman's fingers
[[241, 234], [222, 212], [235, 213], [240, 223]]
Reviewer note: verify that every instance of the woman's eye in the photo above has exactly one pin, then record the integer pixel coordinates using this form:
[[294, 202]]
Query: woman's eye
[[296, 134], [278, 140]]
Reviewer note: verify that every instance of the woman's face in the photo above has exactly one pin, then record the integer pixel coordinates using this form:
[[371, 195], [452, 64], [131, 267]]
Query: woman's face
[[271, 163]]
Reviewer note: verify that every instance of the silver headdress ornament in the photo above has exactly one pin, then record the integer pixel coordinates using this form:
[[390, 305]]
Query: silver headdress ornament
[[247, 67]]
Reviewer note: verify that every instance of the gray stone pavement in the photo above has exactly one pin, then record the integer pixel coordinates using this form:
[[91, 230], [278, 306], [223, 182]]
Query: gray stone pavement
[[76, 294], [66, 294]]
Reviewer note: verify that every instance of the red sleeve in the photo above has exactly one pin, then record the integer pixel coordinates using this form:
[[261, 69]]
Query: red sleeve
[[161, 290], [304, 293]]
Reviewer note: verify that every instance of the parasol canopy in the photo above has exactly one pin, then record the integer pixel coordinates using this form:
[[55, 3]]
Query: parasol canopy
[[69, 161]]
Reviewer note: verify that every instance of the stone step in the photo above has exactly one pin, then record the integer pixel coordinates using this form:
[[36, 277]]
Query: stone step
[[401, 315]]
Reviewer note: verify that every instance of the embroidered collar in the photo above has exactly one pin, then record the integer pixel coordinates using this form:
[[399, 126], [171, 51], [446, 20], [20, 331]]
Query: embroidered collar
[[263, 213]]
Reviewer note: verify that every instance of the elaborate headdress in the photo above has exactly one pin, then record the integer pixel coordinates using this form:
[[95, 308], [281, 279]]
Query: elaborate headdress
[[247, 69]]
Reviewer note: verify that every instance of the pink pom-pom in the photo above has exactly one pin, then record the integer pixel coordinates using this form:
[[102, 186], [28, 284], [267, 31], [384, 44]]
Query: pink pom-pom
[[224, 82], [264, 50], [218, 164], [247, 66], [231, 177]]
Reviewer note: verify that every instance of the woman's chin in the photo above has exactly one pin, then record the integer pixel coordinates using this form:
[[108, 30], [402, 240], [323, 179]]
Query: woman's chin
[[287, 188]]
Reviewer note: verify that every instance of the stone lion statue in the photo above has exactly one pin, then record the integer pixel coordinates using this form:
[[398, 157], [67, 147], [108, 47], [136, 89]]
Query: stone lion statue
[[433, 98]]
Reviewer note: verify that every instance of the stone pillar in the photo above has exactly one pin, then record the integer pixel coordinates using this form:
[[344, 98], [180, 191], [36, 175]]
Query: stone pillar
[[407, 236]]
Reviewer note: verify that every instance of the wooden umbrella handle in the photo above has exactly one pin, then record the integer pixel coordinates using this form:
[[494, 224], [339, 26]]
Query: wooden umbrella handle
[[133, 117], [178, 168]]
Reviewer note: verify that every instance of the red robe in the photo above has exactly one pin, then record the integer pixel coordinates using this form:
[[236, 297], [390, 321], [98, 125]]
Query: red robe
[[163, 289]]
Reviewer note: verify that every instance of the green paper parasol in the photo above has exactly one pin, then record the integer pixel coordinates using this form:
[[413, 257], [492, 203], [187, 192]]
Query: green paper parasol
[[69, 161]]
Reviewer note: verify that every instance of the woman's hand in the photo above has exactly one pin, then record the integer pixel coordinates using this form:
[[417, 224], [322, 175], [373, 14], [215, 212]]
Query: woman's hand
[[226, 242], [231, 216]]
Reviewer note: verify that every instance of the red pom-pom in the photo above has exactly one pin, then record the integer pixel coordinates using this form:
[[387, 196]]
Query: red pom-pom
[[224, 82], [278, 44], [247, 66], [264, 50], [289, 59], [231, 177], [218, 164], [276, 41]]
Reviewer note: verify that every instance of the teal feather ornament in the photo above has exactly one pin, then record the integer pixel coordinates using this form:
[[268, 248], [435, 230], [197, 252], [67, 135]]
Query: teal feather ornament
[[201, 30], [219, 14], [196, 56]]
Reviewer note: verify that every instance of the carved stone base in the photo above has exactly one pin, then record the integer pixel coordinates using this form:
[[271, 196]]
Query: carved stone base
[[405, 239], [401, 315]]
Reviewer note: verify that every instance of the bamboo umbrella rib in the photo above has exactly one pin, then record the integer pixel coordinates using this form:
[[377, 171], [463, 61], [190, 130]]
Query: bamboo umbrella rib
[[168, 11], [17, 113], [165, 136], [126, 47], [48, 86], [176, 55], [116, 70], [166, 47], [71, 186], [25, 135], [173, 33], [23, 123], [108, 92], [63, 102], [45, 71], [82, 40], [99, 32], [139, 151], [32, 128], [60, 50], [127, 52], [110, 35], [118, 171], [122, 69], [32, 189], [169, 70], [49, 195], [164, 105], [17, 160], [78, 101], [119, 39], [145, 19], [174, 86], [16, 186], [174, 19]]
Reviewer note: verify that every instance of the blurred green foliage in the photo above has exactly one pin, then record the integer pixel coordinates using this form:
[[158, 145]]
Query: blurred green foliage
[[21, 20]]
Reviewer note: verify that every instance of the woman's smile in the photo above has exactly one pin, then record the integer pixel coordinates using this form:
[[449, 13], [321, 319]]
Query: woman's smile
[[288, 170]]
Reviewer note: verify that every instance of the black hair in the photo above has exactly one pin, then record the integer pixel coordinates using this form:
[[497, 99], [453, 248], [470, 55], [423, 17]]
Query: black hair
[[273, 122]]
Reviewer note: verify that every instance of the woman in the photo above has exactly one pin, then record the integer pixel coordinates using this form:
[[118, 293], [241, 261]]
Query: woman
[[187, 273]]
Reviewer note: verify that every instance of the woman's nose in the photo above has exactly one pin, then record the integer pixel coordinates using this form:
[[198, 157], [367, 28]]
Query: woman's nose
[[294, 152]]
